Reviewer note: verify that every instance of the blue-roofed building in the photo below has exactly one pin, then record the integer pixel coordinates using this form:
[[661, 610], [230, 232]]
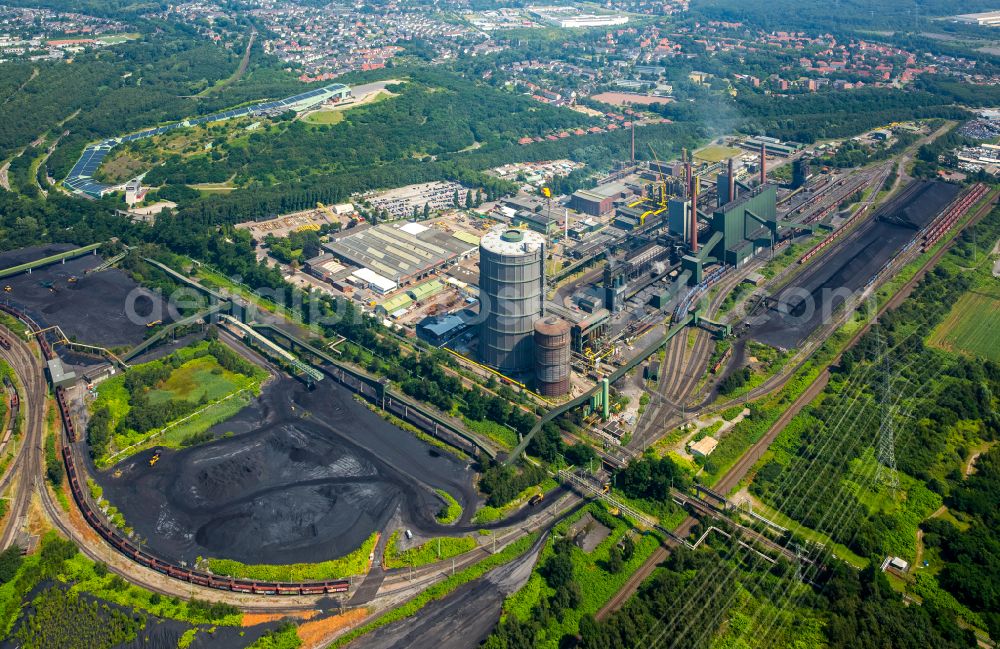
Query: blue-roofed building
[[437, 330]]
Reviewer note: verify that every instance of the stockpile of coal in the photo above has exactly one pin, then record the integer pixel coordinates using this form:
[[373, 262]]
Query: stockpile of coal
[[306, 476], [91, 310], [820, 290]]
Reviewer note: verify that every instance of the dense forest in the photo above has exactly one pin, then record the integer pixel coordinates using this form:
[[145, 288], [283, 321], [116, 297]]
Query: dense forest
[[836, 16], [675, 607], [433, 113], [125, 88], [972, 555]]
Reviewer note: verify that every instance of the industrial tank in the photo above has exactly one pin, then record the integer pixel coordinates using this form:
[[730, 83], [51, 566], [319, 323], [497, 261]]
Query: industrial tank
[[552, 338], [511, 290]]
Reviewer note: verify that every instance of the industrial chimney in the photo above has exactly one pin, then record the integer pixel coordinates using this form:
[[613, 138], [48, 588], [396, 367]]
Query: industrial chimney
[[694, 217], [732, 181], [763, 164]]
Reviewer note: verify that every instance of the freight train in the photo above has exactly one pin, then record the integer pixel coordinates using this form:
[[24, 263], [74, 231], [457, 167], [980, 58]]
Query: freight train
[[933, 232], [130, 550]]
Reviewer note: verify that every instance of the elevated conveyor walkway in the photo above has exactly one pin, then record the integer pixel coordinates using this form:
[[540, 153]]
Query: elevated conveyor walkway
[[45, 261], [184, 279], [375, 389], [169, 329]]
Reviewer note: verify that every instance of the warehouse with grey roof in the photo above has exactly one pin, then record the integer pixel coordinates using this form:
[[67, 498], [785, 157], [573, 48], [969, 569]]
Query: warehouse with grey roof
[[402, 253]]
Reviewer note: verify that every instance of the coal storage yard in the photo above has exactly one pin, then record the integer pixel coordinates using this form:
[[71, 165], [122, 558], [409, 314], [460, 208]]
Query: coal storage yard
[[90, 309], [800, 307], [306, 476]]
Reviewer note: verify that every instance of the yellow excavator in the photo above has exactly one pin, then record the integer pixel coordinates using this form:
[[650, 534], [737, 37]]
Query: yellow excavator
[[156, 458]]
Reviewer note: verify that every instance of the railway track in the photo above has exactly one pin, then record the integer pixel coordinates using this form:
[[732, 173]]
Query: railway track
[[747, 461], [682, 371], [154, 574], [26, 466]]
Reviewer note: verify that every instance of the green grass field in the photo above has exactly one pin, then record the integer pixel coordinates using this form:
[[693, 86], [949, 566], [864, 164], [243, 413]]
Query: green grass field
[[118, 39], [714, 153], [201, 378], [972, 327], [213, 188], [325, 117], [429, 552], [217, 393]]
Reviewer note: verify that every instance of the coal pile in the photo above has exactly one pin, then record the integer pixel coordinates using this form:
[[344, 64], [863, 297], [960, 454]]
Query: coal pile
[[806, 303], [90, 310], [306, 476]]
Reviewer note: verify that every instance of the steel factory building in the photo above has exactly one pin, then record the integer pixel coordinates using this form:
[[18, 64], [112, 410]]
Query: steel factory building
[[740, 222], [600, 200], [401, 253]]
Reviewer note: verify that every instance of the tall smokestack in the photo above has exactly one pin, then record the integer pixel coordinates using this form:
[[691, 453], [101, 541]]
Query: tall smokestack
[[694, 217], [732, 181], [763, 164], [688, 178]]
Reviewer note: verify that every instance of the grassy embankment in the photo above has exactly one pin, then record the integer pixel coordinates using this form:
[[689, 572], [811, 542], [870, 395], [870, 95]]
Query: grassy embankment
[[451, 512], [598, 583], [442, 589], [429, 552], [355, 563]]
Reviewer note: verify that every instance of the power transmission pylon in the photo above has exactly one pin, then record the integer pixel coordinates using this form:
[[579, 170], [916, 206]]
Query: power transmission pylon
[[885, 472]]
